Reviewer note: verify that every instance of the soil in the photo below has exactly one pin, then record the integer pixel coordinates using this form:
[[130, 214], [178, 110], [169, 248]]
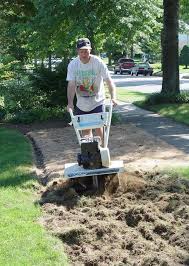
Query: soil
[[140, 217]]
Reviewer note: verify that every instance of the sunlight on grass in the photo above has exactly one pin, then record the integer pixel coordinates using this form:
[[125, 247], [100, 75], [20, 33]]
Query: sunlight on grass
[[157, 68], [23, 240], [184, 171], [182, 69], [179, 112], [127, 95], [178, 171]]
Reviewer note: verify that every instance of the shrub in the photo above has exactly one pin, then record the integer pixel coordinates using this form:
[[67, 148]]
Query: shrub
[[163, 98], [20, 95], [37, 96], [2, 113], [184, 56], [38, 114], [51, 83]]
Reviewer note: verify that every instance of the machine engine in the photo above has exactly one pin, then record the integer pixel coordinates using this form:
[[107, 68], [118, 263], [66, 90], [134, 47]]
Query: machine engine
[[90, 157]]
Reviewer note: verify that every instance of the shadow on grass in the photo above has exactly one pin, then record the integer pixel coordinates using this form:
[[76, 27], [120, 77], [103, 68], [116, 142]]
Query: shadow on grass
[[15, 159], [15, 181]]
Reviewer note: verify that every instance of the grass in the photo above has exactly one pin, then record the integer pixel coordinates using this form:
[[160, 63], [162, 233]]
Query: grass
[[178, 112], [157, 68], [23, 240], [177, 171], [182, 171], [182, 69], [126, 95]]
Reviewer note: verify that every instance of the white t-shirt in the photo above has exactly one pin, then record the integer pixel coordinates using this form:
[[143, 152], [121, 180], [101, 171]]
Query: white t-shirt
[[89, 82]]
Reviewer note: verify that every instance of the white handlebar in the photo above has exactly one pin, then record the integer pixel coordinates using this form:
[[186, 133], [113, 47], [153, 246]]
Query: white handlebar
[[106, 128], [71, 113]]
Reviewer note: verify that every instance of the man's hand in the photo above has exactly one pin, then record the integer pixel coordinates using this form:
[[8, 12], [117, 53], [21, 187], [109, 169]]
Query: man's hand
[[70, 106], [114, 102], [112, 90]]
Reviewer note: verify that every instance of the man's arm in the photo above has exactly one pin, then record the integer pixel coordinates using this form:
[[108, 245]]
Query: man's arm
[[112, 90], [70, 94]]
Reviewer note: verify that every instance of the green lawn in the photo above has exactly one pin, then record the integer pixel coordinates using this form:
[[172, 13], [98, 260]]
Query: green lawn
[[182, 69], [127, 95], [182, 171], [23, 240], [157, 68], [178, 112]]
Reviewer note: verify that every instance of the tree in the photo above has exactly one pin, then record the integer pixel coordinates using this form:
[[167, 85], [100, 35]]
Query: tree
[[58, 24], [12, 15], [50, 27], [184, 56], [129, 23], [170, 58], [184, 7]]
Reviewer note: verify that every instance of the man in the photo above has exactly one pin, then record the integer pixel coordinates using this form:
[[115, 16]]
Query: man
[[85, 77]]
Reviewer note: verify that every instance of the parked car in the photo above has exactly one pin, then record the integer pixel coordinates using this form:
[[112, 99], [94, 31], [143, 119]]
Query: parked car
[[124, 65], [142, 68]]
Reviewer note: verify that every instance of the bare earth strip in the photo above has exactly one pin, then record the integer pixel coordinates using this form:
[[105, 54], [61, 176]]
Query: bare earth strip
[[138, 149]]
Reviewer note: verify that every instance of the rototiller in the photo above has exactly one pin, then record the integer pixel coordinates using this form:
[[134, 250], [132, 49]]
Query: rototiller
[[94, 159]]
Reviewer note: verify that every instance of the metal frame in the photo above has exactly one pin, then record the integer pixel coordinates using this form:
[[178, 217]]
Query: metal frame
[[92, 121], [73, 170]]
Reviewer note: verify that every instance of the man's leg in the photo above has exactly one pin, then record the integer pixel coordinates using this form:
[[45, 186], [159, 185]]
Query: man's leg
[[99, 132], [88, 132]]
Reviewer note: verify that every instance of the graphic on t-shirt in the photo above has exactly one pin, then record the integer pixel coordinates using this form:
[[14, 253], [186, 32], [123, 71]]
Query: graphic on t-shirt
[[86, 83]]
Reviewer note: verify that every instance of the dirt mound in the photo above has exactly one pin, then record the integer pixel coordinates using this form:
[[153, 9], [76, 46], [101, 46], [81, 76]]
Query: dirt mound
[[136, 221]]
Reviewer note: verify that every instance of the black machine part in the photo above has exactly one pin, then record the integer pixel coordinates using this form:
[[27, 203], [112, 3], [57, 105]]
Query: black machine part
[[90, 156]]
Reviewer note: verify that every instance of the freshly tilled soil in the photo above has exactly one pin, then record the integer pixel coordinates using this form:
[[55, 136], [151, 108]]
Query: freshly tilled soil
[[145, 222]]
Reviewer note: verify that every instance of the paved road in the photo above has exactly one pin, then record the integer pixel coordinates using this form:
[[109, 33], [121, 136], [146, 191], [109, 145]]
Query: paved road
[[144, 84]]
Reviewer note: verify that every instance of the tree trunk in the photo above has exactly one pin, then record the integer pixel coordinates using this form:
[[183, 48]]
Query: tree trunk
[[50, 61], [110, 60], [42, 63], [35, 62], [132, 51], [170, 47], [162, 50]]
